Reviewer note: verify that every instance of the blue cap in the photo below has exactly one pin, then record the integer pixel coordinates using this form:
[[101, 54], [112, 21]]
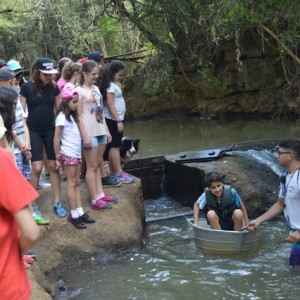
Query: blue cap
[[13, 65]]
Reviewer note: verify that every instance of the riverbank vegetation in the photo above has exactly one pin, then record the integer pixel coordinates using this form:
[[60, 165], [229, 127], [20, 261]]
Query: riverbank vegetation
[[179, 35]]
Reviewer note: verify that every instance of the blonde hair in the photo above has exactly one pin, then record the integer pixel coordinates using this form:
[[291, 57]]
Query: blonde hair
[[69, 69]]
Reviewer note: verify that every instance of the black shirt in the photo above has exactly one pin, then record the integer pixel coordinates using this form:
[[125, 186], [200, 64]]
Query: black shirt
[[41, 116]]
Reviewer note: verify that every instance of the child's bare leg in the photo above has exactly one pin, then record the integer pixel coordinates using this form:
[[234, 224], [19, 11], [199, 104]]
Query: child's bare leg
[[55, 180], [213, 220], [71, 172], [237, 218], [36, 169], [115, 161], [47, 172]]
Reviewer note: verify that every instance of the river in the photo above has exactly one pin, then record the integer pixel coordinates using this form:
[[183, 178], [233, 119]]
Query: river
[[170, 266]]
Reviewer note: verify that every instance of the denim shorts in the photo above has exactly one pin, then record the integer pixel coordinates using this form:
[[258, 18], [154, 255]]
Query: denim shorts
[[96, 141]]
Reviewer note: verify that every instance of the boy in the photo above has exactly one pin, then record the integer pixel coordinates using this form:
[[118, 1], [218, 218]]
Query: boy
[[225, 210]]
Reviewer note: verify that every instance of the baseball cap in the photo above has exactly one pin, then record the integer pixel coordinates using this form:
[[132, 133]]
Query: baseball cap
[[69, 93], [5, 75], [45, 65], [96, 56], [13, 65], [3, 63], [83, 60]]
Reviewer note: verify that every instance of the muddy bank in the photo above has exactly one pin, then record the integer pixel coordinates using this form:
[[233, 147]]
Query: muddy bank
[[62, 245]]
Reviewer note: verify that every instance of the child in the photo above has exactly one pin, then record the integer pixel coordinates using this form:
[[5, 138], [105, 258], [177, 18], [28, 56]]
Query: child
[[18, 231], [225, 210], [94, 133], [67, 146], [114, 111], [71, 73], [60, 80]]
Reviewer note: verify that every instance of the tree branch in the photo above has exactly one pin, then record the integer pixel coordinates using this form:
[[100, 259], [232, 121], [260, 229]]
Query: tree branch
[[289, 51]]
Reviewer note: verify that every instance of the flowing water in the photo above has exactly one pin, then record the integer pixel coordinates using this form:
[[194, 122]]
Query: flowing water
[[170, 266], [173, 136]]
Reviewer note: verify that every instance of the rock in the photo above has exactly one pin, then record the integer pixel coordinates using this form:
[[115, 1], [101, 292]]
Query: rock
[[256, 184], [62, 245]]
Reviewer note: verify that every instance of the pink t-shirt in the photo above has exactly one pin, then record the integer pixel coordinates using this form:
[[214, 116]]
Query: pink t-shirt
[[61, 83]]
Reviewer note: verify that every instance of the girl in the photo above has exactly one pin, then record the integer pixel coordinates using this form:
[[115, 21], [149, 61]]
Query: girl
[[8, 100], [114, 111], [42, 97], [94, 133], [61, 80], [8, 103], [70, 73], [67, 146]]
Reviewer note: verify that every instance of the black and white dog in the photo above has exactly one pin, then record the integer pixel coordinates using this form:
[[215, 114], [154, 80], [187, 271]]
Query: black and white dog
[[130, 147]]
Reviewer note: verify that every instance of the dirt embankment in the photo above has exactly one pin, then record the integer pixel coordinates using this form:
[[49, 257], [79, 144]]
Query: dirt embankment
[[62, 245]]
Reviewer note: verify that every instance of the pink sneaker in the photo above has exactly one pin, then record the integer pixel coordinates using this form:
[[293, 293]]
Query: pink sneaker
[[109, 196], [28, 259], [101, 204], [26, 265]]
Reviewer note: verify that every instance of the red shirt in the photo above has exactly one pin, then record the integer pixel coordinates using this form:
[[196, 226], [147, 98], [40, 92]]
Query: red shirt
[[15, 194]]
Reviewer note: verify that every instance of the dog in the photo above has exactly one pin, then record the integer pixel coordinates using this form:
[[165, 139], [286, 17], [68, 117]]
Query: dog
[[130, 147]]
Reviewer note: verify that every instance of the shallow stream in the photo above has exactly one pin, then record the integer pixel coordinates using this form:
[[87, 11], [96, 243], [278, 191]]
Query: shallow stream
[[170, 266]]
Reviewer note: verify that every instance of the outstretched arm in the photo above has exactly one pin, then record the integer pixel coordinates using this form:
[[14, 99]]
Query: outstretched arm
[[271, 213], [196, 213]]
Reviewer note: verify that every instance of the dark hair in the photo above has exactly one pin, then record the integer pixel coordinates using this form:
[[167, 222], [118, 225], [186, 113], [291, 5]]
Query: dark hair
[[108, 75], [213, 177], [3, 63], [37, 81], [64, 107], [7, 97], [87, 67], [293, 145]]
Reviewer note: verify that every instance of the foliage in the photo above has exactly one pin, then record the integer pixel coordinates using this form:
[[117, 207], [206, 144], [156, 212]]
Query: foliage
[[58, 28], [173, 30]]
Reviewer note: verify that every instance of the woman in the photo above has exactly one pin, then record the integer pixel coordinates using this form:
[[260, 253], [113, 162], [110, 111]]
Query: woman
[[42, 97]]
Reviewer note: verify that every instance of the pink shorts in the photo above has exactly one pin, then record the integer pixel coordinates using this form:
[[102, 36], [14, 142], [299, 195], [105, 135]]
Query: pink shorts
[[70, 161]]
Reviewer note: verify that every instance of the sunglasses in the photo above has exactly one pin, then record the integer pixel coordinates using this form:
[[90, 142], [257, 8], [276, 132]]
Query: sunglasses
[[283, 152]]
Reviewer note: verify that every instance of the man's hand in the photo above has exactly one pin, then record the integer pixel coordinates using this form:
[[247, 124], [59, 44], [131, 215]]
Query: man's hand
[[294, 237], [253, 225]]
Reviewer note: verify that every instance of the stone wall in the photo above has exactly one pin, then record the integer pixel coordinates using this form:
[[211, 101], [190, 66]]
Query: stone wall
[[259, 87]]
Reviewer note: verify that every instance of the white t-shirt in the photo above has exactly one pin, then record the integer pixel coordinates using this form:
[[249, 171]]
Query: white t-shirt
[[291, 194], [70, 136], [118, 101], [2, 128], [18, 127]]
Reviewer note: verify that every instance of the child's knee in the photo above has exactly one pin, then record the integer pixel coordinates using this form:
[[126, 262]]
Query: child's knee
[[212, 215], [237, 214]]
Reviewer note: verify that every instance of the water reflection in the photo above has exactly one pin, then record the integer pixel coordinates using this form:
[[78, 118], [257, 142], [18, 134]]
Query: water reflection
[[173, 136]]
